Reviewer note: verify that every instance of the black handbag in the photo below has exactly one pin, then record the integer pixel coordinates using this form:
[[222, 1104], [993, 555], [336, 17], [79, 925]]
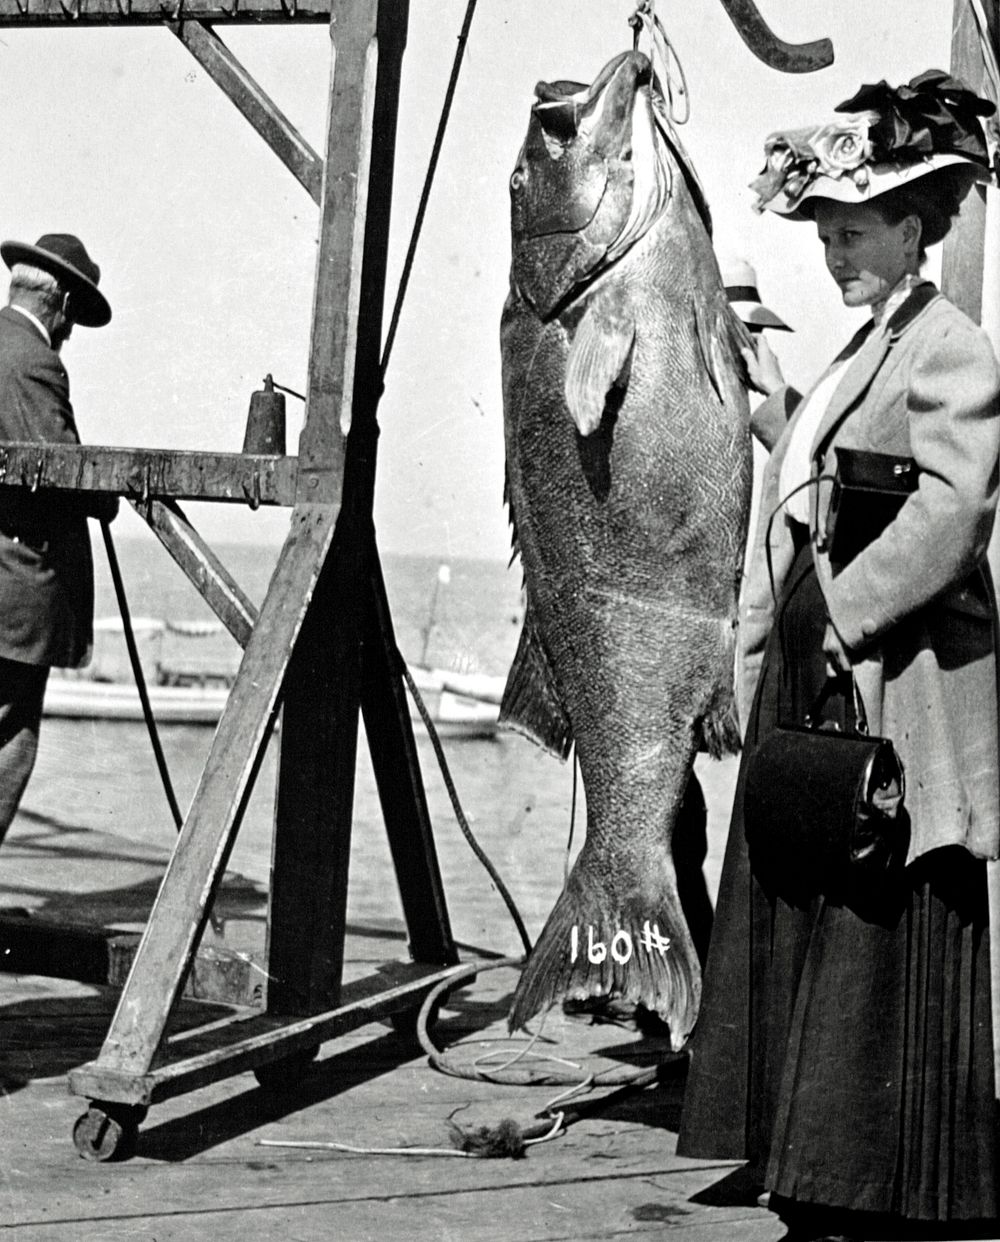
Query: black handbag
[[823, 805], [868, 491]]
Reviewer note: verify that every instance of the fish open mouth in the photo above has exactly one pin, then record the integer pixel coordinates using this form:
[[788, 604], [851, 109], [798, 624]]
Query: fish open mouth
[[564, 108], [596, 172], [590, 126]]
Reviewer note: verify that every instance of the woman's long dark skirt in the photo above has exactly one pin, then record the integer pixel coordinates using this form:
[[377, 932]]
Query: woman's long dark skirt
[[847, 1054]]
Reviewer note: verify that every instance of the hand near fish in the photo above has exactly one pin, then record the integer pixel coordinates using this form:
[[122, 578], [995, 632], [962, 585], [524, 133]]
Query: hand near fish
[[837, 658], [763, 368]]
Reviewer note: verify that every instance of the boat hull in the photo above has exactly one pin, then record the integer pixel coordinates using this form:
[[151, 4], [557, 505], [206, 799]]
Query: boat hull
[[453, 714]]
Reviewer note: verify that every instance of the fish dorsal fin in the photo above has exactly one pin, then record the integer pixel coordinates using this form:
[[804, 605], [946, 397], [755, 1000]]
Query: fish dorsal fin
[[599, 353]]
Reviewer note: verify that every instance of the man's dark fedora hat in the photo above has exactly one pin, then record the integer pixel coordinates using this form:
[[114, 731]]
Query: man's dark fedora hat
[[64, 256]]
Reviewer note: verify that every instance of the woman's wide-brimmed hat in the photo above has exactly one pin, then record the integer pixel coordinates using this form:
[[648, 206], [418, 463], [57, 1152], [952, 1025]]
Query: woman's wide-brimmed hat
[[65, 257], [740, 281], [883, 138]]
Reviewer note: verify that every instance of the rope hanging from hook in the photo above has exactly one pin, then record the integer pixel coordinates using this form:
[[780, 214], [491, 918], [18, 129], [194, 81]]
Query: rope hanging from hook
[[667, 68]]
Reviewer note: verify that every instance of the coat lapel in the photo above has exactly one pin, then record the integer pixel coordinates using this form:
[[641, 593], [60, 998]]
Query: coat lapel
[[871, 350]]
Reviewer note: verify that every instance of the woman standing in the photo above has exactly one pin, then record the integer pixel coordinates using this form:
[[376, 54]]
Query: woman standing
[[845, 1047]]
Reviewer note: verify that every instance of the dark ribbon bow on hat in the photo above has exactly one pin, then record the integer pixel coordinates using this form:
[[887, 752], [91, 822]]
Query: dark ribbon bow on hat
[[933, 114]]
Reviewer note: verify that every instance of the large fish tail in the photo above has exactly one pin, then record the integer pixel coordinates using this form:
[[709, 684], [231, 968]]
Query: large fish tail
[[598, 942]]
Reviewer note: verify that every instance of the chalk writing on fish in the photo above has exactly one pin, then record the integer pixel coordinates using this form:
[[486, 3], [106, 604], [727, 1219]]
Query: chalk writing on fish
[[621, 947]]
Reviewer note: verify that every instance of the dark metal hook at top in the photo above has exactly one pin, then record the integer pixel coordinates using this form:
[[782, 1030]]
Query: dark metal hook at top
[[765, 44]]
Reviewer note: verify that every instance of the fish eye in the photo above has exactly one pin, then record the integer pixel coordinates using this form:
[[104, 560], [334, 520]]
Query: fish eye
[[517, 178]]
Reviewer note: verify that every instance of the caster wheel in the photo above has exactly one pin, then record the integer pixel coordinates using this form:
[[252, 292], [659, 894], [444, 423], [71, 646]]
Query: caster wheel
[[108, 1131], [284, 1074]]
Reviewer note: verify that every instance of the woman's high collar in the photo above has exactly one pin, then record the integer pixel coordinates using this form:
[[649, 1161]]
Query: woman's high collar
[[882, 312]]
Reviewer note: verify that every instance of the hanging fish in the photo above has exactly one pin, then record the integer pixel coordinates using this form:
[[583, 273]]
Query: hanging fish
[[628, 480]]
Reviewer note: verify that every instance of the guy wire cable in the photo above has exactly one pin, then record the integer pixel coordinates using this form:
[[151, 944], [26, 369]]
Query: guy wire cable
[[463, 823], [425, 194], [139, 675], [140, 683]]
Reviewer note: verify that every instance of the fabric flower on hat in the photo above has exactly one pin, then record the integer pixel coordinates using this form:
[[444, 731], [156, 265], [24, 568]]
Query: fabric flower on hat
[[788, 158], [843, 145], [932, 114], [881, 128]]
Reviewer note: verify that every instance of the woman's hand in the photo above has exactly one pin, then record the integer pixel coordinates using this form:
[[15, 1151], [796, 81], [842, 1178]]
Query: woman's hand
[[837, 658], [763, 368]]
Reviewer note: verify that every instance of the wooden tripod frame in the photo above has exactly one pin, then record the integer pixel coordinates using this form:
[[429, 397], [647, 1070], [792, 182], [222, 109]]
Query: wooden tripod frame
[[321, 649]]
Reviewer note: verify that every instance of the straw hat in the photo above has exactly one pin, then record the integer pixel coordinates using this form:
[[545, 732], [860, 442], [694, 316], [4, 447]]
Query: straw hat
[[740, 281], [64, 256], [882, 138]]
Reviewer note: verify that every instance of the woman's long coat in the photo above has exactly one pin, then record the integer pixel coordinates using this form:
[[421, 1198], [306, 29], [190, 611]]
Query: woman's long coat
[[916, 606]]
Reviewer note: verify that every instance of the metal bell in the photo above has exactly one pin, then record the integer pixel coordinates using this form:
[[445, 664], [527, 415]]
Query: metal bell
[[266, 421]]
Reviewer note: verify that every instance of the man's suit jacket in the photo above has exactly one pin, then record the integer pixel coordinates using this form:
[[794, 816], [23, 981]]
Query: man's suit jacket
[[46, 568], [915, 606]]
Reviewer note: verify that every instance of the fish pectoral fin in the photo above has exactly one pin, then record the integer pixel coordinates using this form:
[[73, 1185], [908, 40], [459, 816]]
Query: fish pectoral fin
[[531, 704], [599, 354]]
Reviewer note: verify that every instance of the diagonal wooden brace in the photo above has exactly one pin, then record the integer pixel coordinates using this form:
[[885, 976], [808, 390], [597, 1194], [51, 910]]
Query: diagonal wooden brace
[[198, 862]]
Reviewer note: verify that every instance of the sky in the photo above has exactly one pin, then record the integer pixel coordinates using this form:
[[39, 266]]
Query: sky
[[207, 244]]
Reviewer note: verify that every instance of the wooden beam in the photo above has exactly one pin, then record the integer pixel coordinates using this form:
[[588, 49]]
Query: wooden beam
[[144, 474], [198, 862], [313, 813], [307, 915], [71, 14], [368, 44], [965, 246], [399, 987], [209, 576], [396, 766], [262, 113], [32, 945]]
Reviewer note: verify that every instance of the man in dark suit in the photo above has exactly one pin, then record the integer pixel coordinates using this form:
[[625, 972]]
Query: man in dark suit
[[46, 569]]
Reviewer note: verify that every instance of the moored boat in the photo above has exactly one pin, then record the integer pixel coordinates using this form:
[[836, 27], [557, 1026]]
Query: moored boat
[[194, 690]]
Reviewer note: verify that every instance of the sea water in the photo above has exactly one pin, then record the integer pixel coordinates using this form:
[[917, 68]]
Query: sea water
[[96, 791]]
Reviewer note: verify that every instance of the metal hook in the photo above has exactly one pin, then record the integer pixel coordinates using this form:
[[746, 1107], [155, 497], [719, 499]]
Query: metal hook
[[22, 8], [39, 470], [252, 493], [125, 10], [73, 12], [764, 43], [641, 11]]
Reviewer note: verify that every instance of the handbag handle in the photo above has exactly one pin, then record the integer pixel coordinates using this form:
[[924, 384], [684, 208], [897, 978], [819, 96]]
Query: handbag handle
[[856, 716]]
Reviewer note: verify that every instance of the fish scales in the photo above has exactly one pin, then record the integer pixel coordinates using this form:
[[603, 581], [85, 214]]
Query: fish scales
[[628, 478]]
